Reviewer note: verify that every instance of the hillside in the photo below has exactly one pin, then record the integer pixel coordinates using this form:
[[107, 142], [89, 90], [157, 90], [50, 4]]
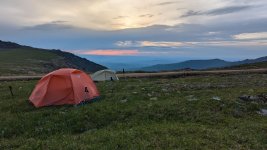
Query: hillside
[[256, 65], [205, 64], [16, 59], [249, 61], [192, 64]]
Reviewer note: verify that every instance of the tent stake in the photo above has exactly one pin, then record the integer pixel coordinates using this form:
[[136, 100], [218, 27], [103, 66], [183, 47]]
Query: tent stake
[[11, 92]]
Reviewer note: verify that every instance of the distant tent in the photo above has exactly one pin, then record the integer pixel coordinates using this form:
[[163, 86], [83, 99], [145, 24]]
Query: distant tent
[[64, 86], [104, 75]]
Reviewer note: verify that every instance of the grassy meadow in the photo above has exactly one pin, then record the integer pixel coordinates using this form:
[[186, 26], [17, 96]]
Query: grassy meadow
[[23, 61], [201, 112]]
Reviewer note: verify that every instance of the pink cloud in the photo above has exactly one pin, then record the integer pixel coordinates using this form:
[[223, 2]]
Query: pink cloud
[[107, 52]]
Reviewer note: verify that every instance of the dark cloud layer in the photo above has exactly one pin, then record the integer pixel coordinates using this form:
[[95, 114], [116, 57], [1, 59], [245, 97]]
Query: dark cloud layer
[[156, 29], [227, 10], [166, 3], [191, 13], [60, 35], [120, 17], [54, 25], [147, 15], [219, 11]]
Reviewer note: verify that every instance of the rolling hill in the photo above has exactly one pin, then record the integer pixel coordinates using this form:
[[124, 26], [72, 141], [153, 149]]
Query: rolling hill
[[208, 64], [192, 64], [17, 59], [255, 65]]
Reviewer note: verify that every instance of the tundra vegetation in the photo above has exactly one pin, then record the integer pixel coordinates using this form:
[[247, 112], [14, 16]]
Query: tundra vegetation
[[202, 112]]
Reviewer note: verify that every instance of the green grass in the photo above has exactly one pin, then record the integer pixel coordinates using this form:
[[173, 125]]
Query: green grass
[[21, 61], [182, 116]]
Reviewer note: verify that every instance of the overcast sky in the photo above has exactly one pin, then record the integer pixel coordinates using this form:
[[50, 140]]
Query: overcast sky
[[225, 29]]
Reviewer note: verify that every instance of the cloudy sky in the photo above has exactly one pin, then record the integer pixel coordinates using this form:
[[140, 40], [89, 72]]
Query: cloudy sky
[[227, 29]]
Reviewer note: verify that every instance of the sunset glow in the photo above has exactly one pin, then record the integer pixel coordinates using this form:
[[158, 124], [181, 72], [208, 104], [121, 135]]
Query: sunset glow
[[163, 28], [108, 52]]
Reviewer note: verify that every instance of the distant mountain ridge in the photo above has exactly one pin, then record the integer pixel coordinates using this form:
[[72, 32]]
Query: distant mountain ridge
[[11, 45], [18, 59], [201, 64], [249, 61]]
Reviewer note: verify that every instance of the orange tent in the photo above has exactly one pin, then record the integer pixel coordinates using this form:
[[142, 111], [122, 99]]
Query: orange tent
[[64, 86]]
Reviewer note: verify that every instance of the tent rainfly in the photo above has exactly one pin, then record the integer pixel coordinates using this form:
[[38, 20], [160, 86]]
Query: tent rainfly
[[64, 86], [104, 75]]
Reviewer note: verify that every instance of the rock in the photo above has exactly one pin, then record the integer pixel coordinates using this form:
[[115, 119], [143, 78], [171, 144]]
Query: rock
[[124, 100], [216, 98], [263, 112], [247, 98], [253, 98], [191, 98], [153, 98], [262, 98], [149, 95], [62, 112], [164, 90], [135, 92]]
